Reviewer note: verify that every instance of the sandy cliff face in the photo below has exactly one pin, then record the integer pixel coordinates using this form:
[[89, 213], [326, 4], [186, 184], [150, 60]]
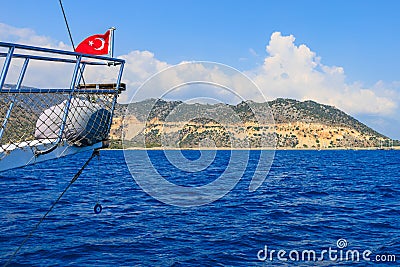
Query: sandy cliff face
[[283, 123], [283, 135]]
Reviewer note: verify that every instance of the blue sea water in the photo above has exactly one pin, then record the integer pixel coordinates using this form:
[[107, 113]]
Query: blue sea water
[[309, 200]]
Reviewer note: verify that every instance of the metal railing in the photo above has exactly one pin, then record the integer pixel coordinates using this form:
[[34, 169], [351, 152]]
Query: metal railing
[[33, 116]]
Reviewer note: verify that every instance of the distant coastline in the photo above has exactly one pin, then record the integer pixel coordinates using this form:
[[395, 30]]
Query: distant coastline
[[255, 149], [281, 123]]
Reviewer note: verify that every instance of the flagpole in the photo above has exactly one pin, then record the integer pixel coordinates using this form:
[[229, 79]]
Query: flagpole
[[111, 47]]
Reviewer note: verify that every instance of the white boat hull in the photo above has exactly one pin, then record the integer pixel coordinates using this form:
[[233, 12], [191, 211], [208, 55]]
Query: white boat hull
[[21, 156]]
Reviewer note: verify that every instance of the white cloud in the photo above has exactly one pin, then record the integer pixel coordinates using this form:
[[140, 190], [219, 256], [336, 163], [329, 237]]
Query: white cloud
[[297, 72], [140, 65], [289, 70], [28, 37], [39, 73], [185, 81]]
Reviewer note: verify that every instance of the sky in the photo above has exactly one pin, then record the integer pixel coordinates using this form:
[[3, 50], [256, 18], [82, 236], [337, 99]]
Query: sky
[[341, 53]]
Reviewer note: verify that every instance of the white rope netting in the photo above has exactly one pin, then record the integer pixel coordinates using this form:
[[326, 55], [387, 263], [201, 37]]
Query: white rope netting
[[53, 116]]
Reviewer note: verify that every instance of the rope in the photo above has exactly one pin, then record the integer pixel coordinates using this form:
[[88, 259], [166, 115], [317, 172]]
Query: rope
[[66, 23], [70, 36], [76, 176]]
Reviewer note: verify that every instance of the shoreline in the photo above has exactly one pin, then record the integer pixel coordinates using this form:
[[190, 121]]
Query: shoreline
[[263, 148]]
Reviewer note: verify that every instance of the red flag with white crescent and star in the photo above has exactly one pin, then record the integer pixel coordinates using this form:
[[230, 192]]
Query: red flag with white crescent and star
[[95, 45]]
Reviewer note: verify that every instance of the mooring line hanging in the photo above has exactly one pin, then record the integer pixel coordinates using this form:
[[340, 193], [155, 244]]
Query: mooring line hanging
[[76, 176], [97, 180], [97, 208]]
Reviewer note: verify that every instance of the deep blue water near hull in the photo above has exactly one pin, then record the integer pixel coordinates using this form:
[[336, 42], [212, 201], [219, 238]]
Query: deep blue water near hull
[[309, 200]]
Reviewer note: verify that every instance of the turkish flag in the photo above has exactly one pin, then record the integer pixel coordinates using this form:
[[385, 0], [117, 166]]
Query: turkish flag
[[95, 45]]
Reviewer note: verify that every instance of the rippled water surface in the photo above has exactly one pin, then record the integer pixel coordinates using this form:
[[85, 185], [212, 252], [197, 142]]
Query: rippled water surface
[[309, 200]]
